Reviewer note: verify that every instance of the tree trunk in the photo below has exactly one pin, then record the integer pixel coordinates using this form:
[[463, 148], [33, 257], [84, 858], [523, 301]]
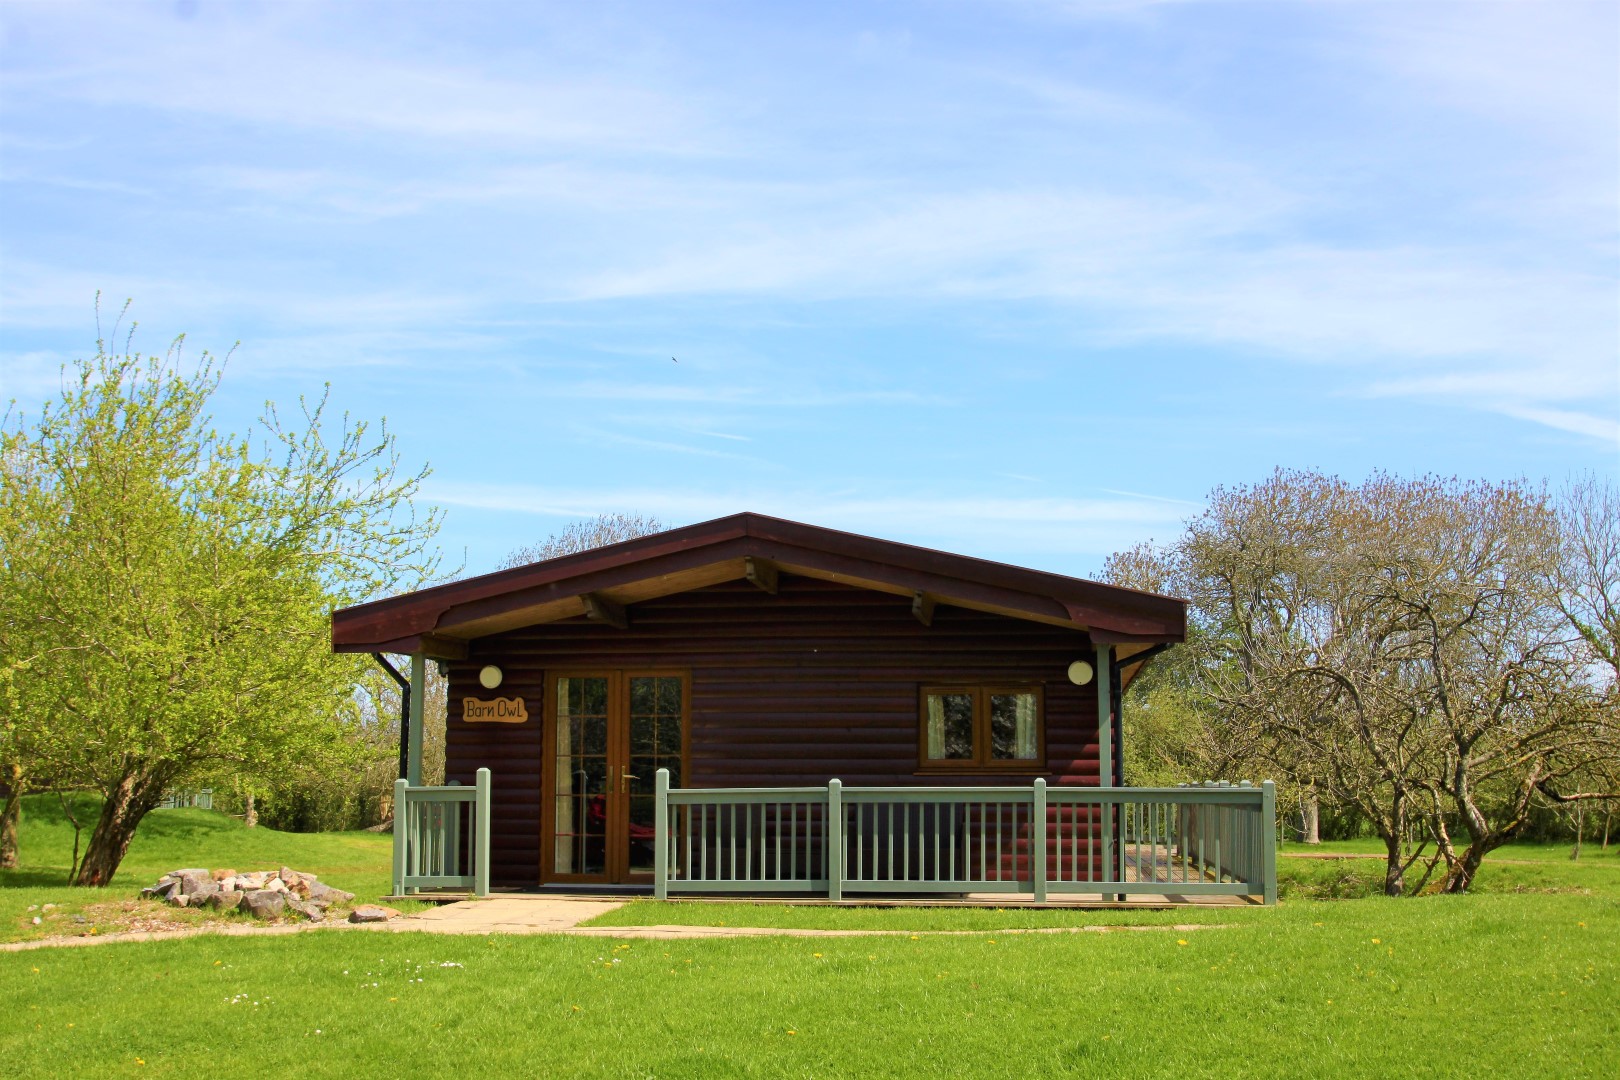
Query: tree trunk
[[250, 813], [1463, 872], [1311, 832], [1580, 827], [121, 812], [1394, 868], [10, 817]]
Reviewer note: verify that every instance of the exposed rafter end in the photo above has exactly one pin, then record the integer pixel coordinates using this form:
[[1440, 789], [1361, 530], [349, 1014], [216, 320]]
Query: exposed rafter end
[[439, 647], [760, 574], [922, 608], [602, 610]]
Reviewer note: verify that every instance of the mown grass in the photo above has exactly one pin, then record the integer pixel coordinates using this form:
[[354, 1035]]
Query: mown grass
[[167, 840], [1302, 872], [1450, 986], [1502, 983]]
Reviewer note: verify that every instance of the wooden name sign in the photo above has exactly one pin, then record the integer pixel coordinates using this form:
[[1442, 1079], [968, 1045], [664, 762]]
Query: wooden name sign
[[503, 710]]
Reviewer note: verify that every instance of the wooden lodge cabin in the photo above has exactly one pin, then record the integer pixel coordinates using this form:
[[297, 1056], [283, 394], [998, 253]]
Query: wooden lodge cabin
[[750, 652]]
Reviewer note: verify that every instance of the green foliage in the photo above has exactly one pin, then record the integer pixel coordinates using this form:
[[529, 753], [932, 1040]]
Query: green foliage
[[168, 587]]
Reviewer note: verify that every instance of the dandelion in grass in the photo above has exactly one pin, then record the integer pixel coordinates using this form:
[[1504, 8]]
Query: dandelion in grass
[[1181, 941], [1377, 941]]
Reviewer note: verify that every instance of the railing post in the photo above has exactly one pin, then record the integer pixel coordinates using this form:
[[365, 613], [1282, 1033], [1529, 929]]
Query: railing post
[[835, 839], [401, 829], [1268, 839], [481, 835], [661, 834], [1037, 831]]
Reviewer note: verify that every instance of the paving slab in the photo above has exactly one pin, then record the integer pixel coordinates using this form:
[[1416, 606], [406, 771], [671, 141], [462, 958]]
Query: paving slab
[[506, 915]]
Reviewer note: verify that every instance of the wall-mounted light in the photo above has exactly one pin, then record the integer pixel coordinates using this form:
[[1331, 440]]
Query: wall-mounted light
[[1080, 672], [489, 677]]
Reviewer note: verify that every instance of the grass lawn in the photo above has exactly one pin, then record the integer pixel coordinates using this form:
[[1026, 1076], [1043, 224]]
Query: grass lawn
[[1515, 983], [167, 840]]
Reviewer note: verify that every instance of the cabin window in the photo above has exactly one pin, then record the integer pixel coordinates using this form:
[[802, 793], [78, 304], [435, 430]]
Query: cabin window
[[981, 727]]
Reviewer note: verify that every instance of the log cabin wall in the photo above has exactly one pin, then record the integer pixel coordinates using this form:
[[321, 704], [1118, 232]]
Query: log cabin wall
[[820, 680]]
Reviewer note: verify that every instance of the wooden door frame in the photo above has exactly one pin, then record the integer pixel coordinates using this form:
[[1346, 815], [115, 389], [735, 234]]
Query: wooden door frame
[[616, 853]]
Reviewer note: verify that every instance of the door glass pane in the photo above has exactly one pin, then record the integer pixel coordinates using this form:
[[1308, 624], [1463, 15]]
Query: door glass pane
[[950, 727], [657, 735], [1012, 727], [580, 826]]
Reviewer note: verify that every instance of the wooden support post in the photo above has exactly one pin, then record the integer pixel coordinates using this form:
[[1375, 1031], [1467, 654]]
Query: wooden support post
[[661, 834], [1268, 839], [835, 839], [761, 574], [401, 828], [413, 767], [922, 608], [602, 610], [481, 835], [1037, 836], [1105, 758]]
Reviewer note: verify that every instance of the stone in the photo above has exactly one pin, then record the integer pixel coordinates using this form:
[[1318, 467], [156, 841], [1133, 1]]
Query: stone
[[225, 901], [327, 895], [253, 879], [310, 911], [368, 913], [222, 875], [276, 885], [193, 880], [202, 891], [180, 899], [264, 903], [163, 890]]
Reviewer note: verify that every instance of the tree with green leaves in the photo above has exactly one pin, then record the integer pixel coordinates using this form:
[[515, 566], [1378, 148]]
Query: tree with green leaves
[[167, 600]]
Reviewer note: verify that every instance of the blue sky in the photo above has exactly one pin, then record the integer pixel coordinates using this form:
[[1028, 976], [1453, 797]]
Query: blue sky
[[1023, 280]]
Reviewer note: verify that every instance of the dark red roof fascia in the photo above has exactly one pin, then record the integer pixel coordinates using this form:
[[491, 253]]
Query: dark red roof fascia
[[1128, 612]]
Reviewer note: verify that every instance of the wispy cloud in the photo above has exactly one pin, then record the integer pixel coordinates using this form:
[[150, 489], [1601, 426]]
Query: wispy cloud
[[990, 523]]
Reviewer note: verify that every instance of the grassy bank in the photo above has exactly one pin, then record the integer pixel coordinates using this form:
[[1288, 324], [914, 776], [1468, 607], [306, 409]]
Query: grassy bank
[[167, 840]]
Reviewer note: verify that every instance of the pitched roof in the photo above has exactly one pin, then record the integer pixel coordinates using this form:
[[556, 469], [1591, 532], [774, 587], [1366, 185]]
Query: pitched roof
[[603, 582]]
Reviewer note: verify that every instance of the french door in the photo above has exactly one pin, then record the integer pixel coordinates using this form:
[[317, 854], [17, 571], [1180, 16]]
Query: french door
[[607, 734]]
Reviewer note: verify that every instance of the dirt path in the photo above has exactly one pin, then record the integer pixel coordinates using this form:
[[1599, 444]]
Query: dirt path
[[1380, 858], [548, 915]]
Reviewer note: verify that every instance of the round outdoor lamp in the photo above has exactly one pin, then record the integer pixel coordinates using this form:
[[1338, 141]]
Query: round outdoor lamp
[[1080, 672], [489, 677]]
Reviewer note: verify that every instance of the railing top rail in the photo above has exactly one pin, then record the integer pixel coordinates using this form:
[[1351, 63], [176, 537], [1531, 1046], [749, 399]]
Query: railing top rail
[[1005, 793], [440, 794], [686, 794]]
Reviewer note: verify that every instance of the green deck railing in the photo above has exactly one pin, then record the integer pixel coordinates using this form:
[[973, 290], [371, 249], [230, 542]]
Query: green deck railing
[[441, 837], [1037, 840]]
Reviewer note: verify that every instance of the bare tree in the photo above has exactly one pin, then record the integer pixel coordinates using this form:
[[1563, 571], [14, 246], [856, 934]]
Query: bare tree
[[600, 531], [1401, 647]]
